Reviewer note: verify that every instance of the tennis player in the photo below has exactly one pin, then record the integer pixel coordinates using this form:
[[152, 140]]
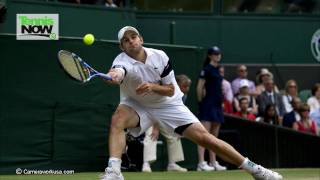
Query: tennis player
[[150, 93]]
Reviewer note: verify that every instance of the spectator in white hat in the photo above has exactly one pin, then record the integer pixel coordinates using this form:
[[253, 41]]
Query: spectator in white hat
[[262, 76], [244, 93]]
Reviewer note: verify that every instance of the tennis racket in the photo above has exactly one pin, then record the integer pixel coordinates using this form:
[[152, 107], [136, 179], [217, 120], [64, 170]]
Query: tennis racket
[[77, 68]]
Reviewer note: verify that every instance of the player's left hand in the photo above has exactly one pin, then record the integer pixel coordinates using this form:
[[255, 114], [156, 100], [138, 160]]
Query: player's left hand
[[144, 88], [155, 133]]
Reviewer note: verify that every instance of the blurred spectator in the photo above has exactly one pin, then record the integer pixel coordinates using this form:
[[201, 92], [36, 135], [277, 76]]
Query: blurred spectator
[[314, 100], [243, 112], [262, 76], [174, 146], [227, 93], [244, 93], [269, 96], [315, 115], [184, 82], [293, 116], [306, 124], [298, 6], [291, 90], [242, 74], [210, 97], [270, 115], [110, 3]]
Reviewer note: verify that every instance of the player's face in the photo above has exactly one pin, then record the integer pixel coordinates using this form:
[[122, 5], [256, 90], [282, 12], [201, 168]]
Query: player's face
[[131, 42]]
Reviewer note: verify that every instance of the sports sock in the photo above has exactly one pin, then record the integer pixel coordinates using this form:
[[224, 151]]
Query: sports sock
[[248, 166], [115, 163]]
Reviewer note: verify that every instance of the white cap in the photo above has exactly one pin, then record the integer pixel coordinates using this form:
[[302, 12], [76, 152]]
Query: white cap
[[244, 83], [124, 30]]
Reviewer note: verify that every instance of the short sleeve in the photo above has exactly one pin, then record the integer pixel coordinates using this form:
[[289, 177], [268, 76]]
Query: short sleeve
[[167, 69], [169, 79], [202, 74], [167, 75], [119, 63]]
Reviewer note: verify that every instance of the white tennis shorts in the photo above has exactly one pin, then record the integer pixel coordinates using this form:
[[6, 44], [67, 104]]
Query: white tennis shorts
[[170, 117]]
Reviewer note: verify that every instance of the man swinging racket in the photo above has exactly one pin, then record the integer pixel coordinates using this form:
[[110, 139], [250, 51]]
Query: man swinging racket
[[149, 93]]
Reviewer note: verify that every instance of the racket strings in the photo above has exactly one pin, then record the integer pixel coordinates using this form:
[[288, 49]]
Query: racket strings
[[81, 70], [72, 66]]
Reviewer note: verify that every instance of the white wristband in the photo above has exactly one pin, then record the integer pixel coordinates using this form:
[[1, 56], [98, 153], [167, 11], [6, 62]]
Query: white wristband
[[120, 73]]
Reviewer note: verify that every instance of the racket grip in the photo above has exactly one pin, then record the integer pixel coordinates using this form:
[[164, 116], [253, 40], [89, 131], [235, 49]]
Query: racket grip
[[105, 77]]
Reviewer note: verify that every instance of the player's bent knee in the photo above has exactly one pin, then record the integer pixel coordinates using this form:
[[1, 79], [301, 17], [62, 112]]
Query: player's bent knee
[[117, 121], [124, 118]]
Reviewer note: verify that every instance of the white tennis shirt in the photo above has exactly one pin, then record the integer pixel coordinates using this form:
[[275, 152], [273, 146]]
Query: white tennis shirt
[[156, 69]]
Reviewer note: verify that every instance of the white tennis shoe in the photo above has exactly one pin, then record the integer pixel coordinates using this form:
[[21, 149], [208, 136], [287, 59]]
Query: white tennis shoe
[[217, 166], [203, 166], [176, 167], [111, 174], [146, 167], [265, 174]]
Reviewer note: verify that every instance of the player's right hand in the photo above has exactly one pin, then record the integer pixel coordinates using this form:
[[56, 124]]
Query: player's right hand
[[116, 75]]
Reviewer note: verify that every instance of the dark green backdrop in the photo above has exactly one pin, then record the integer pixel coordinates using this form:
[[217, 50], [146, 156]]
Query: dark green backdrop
[[50, 121]]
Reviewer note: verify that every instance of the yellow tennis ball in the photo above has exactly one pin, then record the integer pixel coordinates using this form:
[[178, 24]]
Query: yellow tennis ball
[[88, 39]]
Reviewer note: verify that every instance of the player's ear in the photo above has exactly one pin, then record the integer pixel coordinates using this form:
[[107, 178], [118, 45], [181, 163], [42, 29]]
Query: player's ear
[[120, 46], [141, 38]]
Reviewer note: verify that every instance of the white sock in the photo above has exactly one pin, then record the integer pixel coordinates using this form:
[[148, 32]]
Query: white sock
[[201, 162], [115, 163], [248, 166]]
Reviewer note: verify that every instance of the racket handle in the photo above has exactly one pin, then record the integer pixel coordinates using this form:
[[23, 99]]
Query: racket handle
[[104, 76]]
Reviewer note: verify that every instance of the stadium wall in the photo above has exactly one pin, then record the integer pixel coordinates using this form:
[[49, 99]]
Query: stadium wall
[[250, 39]]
